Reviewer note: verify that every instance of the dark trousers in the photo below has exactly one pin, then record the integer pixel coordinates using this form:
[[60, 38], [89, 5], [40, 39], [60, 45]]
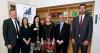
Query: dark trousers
[[62, 47], [77, 45], [15, 49], [24, 48]]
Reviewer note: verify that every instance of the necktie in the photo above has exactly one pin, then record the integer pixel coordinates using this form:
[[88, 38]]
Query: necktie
[[81, 22], [61, 24], [80, 25], [16, 26]]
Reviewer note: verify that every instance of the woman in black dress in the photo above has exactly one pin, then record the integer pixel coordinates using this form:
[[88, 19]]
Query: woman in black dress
[[36, 37], [25, 36], [49, 34]]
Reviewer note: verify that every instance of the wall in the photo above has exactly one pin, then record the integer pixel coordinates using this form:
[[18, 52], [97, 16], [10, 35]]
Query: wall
[[96, 30], [45, 3], [3, 15], [20, 1]]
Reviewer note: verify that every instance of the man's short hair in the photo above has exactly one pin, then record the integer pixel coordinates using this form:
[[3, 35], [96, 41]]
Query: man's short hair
[[82, 5], [12, 10]]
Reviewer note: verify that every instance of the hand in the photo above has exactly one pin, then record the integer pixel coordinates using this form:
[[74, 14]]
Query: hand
[[59, 42], [53, 42], [85, 42], [38, 41], [27, 42], [9, 46], [62, 41], [73, 41], [42, 42]]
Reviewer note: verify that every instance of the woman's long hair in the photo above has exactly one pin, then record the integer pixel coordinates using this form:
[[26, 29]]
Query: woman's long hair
[[35, 18], [23, 22]]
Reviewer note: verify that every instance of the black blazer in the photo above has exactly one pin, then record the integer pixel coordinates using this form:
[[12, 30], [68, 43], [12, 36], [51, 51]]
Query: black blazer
[[34, 33], [9, 32], [64, 34], [86, 31]]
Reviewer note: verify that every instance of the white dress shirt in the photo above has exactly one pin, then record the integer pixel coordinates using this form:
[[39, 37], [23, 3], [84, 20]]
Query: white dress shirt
[[82, 17], [61, 25]]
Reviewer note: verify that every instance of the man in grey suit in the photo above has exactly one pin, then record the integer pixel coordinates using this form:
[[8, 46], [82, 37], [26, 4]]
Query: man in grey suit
[[81, 31], [11, 32]]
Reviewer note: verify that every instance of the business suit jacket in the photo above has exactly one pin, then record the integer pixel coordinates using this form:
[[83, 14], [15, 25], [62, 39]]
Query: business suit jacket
[[34, 33], [86, 30], [9, 32], [64, 34]]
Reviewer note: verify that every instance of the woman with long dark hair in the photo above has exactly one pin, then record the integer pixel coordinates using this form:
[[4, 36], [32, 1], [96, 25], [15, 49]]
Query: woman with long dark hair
[[36, 37], [25, 36]]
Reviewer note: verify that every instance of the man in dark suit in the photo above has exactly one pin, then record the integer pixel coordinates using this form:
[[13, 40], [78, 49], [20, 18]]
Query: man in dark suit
[[62, 33], [81, 33], [11, 32]]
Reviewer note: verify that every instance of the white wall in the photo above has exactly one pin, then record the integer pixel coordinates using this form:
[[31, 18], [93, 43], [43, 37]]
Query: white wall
[[19, 1], [45, 3], [96, 31], [3, 15]]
